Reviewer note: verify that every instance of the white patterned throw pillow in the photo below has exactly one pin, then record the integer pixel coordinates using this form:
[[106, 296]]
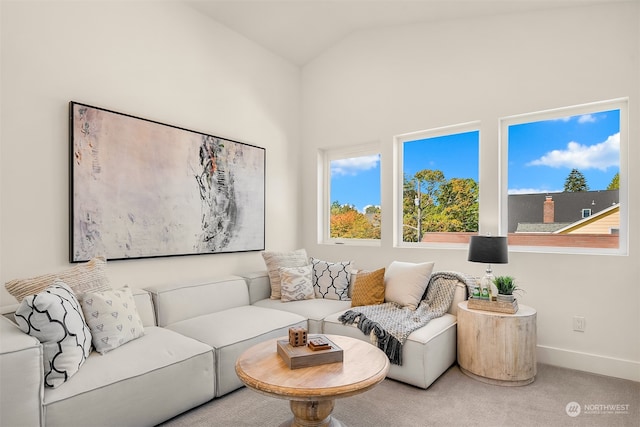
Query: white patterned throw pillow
[[331, 279], [54, 317], [275, 260], [296, 283], [112, 317]]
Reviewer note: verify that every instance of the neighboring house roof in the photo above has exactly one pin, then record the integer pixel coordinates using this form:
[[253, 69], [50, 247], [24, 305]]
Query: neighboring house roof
[[528, 208], [539, 227], [588, 220]]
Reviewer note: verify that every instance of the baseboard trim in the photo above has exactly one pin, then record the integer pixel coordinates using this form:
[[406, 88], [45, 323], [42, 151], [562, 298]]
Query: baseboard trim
[[594, 363]]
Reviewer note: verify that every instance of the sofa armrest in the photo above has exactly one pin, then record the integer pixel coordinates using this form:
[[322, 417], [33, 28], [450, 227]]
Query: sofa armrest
[[22, 373], [459, 296], [259, 285]]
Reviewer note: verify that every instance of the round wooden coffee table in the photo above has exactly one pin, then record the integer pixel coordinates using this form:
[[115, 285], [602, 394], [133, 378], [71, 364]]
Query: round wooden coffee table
[[312, 391]]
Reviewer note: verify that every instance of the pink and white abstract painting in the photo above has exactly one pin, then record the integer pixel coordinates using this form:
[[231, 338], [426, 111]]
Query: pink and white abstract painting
[[141, 189]]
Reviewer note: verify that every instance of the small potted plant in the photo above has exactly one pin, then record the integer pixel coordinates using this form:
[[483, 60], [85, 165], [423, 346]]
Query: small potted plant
[[506, 287]]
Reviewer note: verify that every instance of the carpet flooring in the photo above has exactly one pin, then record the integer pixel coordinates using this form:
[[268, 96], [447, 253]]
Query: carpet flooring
[[558, 397]]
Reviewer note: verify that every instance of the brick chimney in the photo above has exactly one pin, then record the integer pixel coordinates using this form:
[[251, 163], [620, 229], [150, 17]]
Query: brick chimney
[[548, 211]]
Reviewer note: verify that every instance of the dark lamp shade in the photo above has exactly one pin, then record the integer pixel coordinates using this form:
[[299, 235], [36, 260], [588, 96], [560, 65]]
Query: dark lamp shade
[[488, 249]]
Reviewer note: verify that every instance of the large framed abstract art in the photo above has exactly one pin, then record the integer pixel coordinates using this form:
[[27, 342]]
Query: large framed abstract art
[[139, 189]]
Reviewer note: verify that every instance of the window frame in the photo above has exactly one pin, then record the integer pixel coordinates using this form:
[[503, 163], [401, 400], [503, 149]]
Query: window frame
[[621, 104], [325, 157], [461, 240]]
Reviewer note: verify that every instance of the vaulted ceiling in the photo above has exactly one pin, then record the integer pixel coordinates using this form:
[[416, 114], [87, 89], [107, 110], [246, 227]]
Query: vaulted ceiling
[[300, 30]]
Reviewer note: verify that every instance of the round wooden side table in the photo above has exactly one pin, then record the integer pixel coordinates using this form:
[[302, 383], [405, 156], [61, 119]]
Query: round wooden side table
[[497, 348]]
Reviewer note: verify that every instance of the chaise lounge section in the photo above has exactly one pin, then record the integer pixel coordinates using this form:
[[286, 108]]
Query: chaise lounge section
[[427, 353]]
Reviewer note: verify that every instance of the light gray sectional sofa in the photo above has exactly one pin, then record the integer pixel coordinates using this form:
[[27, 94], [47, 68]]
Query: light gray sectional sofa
[[193, 335], [144, 382]]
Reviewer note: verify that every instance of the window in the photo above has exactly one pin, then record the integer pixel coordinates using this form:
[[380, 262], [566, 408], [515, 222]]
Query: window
[[563, 179], [436, 198], [351, 210]]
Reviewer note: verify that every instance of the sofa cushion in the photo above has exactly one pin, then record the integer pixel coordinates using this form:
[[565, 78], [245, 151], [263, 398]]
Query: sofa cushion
[[145, 382], [55, 318], [331, 279], [296, 283], [428, 352], [313, 310], [87, 277], [112, 318], [231, 332], [275, 260], [368, 288], [406, 282], [176, 302]]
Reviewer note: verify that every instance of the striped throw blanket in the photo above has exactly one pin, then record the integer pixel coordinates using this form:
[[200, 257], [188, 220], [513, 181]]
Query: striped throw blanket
[[389, 324]]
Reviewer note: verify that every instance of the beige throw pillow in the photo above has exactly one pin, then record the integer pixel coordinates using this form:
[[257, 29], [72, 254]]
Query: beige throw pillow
[[406, 282], [275, 260], [90, 276]]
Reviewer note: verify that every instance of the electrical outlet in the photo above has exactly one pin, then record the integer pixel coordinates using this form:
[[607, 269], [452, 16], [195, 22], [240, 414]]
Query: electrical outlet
[[579, 323]]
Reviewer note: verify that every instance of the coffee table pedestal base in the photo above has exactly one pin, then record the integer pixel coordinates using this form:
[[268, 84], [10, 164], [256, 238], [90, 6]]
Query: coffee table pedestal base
[[312, 413]]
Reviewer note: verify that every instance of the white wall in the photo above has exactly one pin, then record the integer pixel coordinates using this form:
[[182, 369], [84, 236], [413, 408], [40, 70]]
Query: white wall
[[156, 60], [380, 83]]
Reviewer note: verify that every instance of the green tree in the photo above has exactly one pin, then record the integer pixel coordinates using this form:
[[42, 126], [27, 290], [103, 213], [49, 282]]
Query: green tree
[[615, 182], [372, 210], [444, 205], [337, 208], [409, 211], [575, 182], [459, 201]]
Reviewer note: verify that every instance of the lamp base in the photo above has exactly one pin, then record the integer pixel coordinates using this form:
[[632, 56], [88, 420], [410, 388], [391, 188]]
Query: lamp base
[[487, 283]]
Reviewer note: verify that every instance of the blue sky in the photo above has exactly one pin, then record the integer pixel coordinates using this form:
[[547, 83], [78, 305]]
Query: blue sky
[[541, 156]]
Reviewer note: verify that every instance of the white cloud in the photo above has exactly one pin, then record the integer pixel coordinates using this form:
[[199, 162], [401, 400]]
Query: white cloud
[[353, 165], [586, 118], [598, 156], [562, 119]]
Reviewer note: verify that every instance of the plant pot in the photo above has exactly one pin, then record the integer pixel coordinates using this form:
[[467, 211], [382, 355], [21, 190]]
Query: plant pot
[[505, 298]]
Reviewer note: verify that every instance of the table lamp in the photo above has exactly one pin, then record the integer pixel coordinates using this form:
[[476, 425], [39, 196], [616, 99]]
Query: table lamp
[[488, 250]]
